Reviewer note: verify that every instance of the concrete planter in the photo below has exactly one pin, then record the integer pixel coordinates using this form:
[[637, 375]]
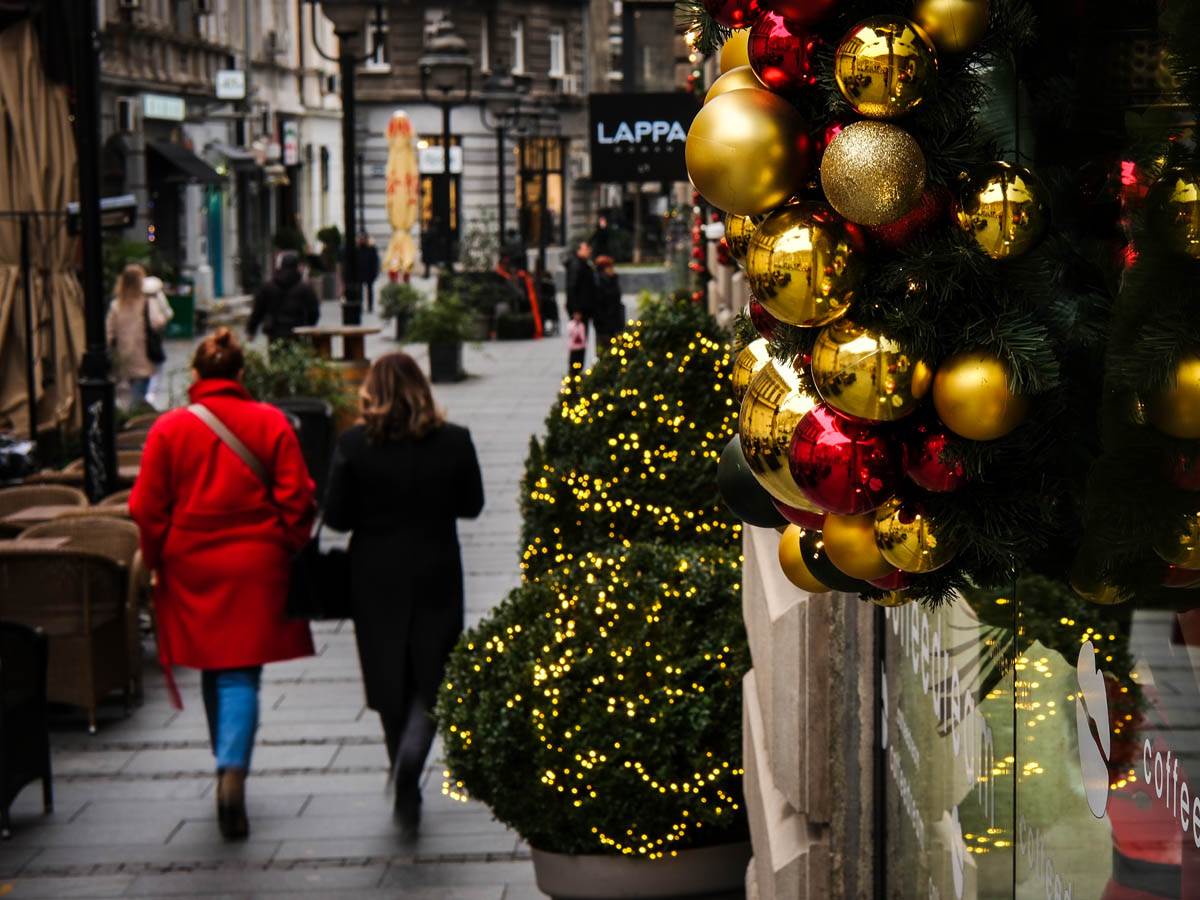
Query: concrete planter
[[706, 872]]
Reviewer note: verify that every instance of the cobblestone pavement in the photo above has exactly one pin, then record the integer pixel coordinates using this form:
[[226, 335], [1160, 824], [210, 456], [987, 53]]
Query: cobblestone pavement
[[134, 812]]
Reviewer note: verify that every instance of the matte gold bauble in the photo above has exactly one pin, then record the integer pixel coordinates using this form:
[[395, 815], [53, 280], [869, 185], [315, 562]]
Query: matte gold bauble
[[1181, 546], [954, 26], [778, 398], [1173, 207], [1175, 410], [908, 540], [873, 173], [802, 266], [741, 78], [850, 545], [865, 375], [735, 51], [749, 362], [791, 561], [738, 231], [747, 151], [883, 67], [1003, 208], [972, 396]]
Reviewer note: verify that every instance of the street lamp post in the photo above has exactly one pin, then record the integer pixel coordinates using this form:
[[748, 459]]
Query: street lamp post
[[501, 112], [348, 18]]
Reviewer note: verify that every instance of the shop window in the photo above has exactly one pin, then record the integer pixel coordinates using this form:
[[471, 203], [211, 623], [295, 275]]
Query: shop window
[[518, 46], [558, 52], [541, 190]]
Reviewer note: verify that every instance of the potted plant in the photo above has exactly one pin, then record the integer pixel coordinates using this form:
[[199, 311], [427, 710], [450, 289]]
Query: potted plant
[[443, 324], [399, 302]]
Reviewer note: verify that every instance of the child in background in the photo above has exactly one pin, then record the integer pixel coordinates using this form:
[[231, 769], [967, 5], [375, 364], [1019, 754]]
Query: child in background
[[576, 342]]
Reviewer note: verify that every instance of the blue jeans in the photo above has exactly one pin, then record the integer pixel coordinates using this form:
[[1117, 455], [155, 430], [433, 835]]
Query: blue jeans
[[138, 389], [231, 703]]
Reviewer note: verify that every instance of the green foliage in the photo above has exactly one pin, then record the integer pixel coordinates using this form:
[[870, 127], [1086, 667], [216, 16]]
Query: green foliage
[[118, 253], [447, 320], [288, 237], [294, 369], [398, 299], [597, 707]]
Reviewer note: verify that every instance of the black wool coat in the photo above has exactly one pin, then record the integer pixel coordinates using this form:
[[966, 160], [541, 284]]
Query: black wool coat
[[401, 500]]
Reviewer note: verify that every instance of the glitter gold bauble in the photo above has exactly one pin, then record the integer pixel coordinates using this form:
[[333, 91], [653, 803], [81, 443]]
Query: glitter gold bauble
[[865, 375], [972, 397], [802, 265], [1003, 208], [1175, 410], [850, 545], [873, 173], [1181, 545], [1173, 206], [747, 151], [735, 51], [739, 79], [778, 398], [749, 362], [954, 26], [883, 67], [791, 561], [908, 540], [738, 231]]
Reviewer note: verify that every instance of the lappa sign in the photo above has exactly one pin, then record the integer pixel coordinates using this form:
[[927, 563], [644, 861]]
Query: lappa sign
[[640, 137]]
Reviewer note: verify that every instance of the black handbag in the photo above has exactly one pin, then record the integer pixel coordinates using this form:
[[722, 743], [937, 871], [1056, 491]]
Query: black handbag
[[155, 352]]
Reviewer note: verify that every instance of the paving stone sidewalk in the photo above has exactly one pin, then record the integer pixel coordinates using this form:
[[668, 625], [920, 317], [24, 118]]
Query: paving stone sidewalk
[[134, 810]]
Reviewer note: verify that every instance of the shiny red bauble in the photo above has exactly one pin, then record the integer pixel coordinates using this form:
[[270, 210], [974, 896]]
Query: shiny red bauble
[[842, 467], [814, 521], [1184, 471], [734, 13], [932, 210], [893, 581], [1184, 579], [921, 457], [800, 12], [764, 323], [781, 54]]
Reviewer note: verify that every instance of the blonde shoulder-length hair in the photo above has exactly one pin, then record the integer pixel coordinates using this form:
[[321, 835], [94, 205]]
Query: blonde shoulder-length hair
[[397, 401], [129, 283]]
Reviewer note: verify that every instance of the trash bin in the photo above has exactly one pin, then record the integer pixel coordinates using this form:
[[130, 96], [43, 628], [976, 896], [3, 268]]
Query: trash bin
[[183, 322], [315, 432]]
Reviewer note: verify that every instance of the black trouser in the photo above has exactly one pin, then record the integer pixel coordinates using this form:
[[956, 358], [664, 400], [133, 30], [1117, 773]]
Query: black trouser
[[408, 735]]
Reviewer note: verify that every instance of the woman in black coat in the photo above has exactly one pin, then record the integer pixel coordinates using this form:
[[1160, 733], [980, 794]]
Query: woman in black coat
[[399, 481]]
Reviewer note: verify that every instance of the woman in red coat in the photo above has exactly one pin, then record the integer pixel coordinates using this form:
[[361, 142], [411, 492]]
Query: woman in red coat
[[220, 541]]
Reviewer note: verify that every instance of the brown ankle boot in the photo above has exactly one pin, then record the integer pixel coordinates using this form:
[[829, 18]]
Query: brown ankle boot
[[231, 804]]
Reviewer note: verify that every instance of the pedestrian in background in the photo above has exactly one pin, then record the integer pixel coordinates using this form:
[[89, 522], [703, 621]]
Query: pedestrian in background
[[284, 303], [602, 237], [368, 268], [223, 500], [399, 481], [156, 299], [610, 311], [576, 344], [134, 328], [581, 286]]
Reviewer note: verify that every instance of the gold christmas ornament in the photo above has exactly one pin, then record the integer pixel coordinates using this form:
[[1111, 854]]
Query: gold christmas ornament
[[747, 151], [1088, 585], [1182, 547], [954, 26], [873, 173], [738, 231], [741, 78], [863, 374], [791, 561], [850, 545], [735, 52], [778, 398], [908, 540], [893, 599], [1003, 208], [1174, 210], [883, 67], [1175, 410], [972, 396], [749, 362], [802, 266]]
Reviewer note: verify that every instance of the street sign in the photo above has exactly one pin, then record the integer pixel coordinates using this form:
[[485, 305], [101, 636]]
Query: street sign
[[430, 160], [231, 84], [161, 106], [640, 137]]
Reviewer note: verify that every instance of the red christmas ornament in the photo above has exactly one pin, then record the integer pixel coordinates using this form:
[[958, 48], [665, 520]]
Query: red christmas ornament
[[1184, 471], [896, 581], [841, 466], [814, 521], [781, 54], [921, 459], [764, 323], [933, 208], [734, 13], [800, 12], [1181, 578]]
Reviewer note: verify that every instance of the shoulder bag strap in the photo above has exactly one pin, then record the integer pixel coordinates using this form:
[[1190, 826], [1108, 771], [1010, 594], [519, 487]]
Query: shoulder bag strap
[[231, 440]]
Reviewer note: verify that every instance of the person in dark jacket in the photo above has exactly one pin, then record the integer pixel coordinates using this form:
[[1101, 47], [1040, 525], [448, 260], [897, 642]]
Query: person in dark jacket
[[610, 311], [284, 303], [399, 481], [368, 268], [581, 284]]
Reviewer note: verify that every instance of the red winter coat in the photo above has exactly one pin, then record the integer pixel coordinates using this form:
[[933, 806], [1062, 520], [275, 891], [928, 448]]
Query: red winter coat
[[220, 545]]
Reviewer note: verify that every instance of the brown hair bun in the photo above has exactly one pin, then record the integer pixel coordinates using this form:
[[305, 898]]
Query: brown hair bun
[[219, 355]]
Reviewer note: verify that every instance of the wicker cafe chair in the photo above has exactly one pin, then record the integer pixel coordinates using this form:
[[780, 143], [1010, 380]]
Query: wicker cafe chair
[[132, 440], [15, 499], [118, 499], [78, 599], [24, 729], [129, 458], [118, 540]]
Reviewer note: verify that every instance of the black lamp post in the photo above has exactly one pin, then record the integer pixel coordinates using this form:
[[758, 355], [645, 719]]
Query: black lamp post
[[501, 112], [349, 18], [446, 68]]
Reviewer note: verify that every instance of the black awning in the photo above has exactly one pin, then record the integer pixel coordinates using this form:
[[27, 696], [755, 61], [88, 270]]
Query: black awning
[[184, 165], [238, 159]]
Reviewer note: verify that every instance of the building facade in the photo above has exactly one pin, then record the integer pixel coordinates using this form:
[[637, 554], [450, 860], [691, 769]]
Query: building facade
[[223, 121]]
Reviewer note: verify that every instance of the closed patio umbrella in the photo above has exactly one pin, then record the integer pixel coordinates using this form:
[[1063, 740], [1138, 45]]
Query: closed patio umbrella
[[402, 193]]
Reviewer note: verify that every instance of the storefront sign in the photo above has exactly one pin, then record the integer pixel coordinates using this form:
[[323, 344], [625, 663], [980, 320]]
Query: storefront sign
[[291, 143], [640, 137], [160, 106], [231, 84]]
